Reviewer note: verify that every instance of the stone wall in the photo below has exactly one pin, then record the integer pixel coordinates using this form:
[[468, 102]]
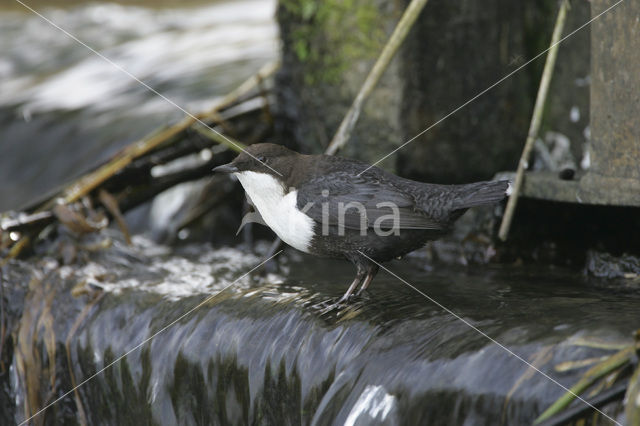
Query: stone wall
[[455, 51], [328, 47]]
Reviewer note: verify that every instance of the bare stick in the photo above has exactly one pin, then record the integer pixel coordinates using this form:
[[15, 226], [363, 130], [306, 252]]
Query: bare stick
[[222, 140], [252, 82], [536, 119], [612, 363], [91, 181], [97, 178], [399, 34]]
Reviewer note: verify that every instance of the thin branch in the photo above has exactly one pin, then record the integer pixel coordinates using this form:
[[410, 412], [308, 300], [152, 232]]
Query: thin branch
[[581, 411], [135, 161], [612, 363], [91, 181], [236, 95], [399, 34], [225, 141], [536, 119]]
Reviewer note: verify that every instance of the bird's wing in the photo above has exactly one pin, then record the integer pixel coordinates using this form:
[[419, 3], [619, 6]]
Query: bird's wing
[[361, 201]]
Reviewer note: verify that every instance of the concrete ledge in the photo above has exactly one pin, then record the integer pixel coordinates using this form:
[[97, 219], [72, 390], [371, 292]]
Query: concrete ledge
[[589, 188]]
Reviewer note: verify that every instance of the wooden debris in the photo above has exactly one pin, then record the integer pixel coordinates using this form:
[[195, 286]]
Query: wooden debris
[[611, 364], [125, 181], [76, 222]]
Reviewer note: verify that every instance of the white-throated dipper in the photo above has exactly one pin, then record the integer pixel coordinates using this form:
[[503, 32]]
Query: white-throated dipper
[[342, 208]]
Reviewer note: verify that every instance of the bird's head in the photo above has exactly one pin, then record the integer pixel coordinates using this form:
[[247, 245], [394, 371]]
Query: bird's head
[[267, 158]]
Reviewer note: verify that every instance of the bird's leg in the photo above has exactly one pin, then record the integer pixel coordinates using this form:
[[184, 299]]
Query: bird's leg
[[372, 270], [363, 270], [359, 277]]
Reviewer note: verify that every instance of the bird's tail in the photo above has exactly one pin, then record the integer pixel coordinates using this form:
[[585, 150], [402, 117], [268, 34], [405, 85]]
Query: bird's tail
[[481, 193]]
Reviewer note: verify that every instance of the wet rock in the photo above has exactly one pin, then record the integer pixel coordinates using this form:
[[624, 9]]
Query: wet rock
[[470, 242], [328, 49], [606, 265], [456, 51], [14, 283], [260, 351]]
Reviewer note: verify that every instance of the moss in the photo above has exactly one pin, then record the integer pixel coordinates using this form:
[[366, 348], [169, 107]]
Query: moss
[[329, 35]]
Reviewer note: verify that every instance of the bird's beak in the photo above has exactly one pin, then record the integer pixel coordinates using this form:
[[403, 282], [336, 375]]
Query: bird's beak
[[226, 168]]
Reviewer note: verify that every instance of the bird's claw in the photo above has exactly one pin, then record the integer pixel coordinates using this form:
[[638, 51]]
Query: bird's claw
[[342, 303]]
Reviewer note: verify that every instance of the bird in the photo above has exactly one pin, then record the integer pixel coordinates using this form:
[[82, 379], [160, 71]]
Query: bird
[[336, 207]]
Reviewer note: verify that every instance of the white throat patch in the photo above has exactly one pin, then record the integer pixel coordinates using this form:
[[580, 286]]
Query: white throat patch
[[278, 209]]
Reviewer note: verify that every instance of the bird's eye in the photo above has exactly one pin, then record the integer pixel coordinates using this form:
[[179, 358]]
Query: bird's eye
[[261, 158]]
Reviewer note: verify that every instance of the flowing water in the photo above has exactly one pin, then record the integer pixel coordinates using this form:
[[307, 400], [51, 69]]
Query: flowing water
[[260, 350], [63, 108]]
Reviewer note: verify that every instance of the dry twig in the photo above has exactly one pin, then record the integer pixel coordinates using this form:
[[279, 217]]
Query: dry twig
[[395, 41], [536, 119]]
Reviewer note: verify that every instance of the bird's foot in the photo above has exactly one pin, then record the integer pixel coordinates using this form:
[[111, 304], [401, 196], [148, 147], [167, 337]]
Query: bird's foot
[[344, 300], [343, 303], [327, 307], [363, 294]]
